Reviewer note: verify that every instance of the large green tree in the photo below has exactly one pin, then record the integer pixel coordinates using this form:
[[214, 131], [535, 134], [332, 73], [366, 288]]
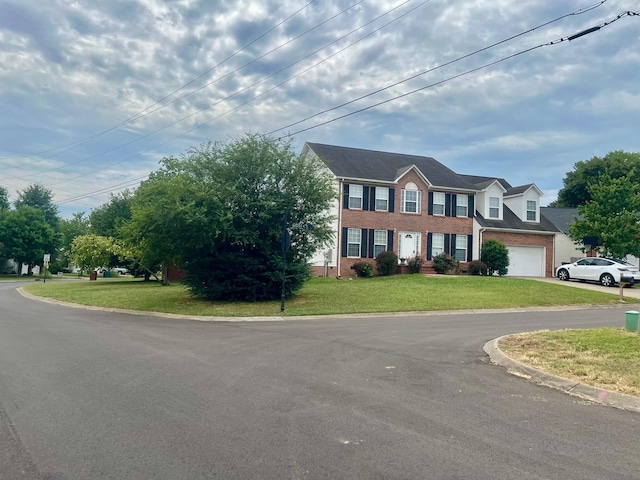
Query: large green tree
[[40, 198], [93, 251], [218, 211], [4, 200], [26, 235], [614, 164], [70, 229], [612, 216], [107, 219]]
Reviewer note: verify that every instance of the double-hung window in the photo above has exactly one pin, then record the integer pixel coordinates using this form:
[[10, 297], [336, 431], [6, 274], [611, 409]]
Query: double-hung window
[[494, 207], [461, 248], [353, 242], [531, 211], [382, 199], [438, 203], [462, 205], [411, 199], [379, 242], [355, 196], [437, 244]]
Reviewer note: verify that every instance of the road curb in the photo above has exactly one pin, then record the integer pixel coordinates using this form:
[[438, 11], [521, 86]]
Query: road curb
[[587, 392]]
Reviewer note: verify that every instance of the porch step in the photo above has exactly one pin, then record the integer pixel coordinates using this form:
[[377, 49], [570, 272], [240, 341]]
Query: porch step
[[427, 270]]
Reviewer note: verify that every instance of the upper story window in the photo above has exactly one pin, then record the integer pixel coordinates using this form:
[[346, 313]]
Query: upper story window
[[411, 198], [382, 198], [531, 211], [355, 196], [494, 207], [462, 205], [438, 203]]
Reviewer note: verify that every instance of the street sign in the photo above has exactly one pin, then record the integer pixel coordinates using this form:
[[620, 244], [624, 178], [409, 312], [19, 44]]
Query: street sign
[[47, 258]]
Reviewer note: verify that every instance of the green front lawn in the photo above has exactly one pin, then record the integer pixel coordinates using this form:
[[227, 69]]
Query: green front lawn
[[399, 293]]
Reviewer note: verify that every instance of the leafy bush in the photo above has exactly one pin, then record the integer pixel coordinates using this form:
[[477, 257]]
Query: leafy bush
[[443, 263], [386, 263], [363, 269], [477, 267], [415, 264], [496, 256]]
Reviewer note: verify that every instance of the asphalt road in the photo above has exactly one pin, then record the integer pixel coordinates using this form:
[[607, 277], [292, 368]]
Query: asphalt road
[[97, 395]]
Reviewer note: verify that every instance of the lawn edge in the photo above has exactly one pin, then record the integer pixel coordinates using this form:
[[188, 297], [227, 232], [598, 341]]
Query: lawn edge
[[588, 392]]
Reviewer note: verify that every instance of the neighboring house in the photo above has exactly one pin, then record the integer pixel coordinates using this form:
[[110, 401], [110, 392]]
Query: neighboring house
[[415, 206], [566, 251], [8, 266]]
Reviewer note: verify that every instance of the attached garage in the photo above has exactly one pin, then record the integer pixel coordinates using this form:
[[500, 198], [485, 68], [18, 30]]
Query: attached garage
[[526, 261]]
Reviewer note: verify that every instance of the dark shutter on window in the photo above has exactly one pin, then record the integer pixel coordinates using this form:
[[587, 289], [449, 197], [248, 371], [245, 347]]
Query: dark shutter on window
[[430, 207], [363, 243], [454, 205], [345, 197], [365, 198], [469, 246], [453, 244], [390, 240], [345, 239], [371, 246], [372, 198], [447, 250], [472, 209], [447, 205], [392, 200], [429, 245]]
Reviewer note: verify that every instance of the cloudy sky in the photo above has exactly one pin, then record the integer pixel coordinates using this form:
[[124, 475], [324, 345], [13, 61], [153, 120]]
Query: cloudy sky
[[93, 94]]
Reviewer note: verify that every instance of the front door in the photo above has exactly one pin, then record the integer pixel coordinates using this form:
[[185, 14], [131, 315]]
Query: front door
[[409, 245]]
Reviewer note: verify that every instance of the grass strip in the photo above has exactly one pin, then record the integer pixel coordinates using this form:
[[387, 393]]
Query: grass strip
[[607, 358]]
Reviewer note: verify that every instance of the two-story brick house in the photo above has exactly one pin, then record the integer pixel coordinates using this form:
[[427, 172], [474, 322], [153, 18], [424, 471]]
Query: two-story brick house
[[416, 206]]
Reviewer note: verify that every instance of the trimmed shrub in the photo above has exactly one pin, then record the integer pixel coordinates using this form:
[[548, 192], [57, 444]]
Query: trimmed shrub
[[415, 264], [496, 256], [477, 267], [386, 263], [443, 263], [363, 269]]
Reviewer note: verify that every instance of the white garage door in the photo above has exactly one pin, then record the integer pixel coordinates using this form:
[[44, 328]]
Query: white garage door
[[526, 261]]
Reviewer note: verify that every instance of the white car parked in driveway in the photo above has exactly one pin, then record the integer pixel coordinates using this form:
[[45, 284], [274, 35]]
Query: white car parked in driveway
[[606, 271]]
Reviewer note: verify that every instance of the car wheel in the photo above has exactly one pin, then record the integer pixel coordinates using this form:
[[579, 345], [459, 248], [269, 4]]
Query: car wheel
[[607, 280], [563, 274]]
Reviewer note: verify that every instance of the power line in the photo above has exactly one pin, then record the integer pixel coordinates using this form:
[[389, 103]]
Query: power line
[[555, 42], [77, 143], [232, 95], [563, 39]]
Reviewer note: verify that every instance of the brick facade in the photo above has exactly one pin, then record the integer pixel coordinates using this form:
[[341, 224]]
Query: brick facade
[[401, 222]]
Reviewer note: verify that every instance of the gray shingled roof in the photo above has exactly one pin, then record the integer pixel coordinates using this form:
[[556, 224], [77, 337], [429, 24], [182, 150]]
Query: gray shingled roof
[[518, 190], [483, 182], [347, 162], [511, 221], [560, 217]]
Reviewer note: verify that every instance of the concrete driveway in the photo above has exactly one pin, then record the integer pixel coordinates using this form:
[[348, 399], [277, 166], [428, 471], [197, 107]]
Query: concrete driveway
[[629, 292]]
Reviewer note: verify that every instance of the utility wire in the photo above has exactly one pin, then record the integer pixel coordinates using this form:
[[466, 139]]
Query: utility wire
[[137, 115], [424, 72], [577, 12], [554, 42], [232, 95]]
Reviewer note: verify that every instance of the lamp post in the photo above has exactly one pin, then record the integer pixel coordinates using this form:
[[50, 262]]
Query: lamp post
[[286, 242]]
